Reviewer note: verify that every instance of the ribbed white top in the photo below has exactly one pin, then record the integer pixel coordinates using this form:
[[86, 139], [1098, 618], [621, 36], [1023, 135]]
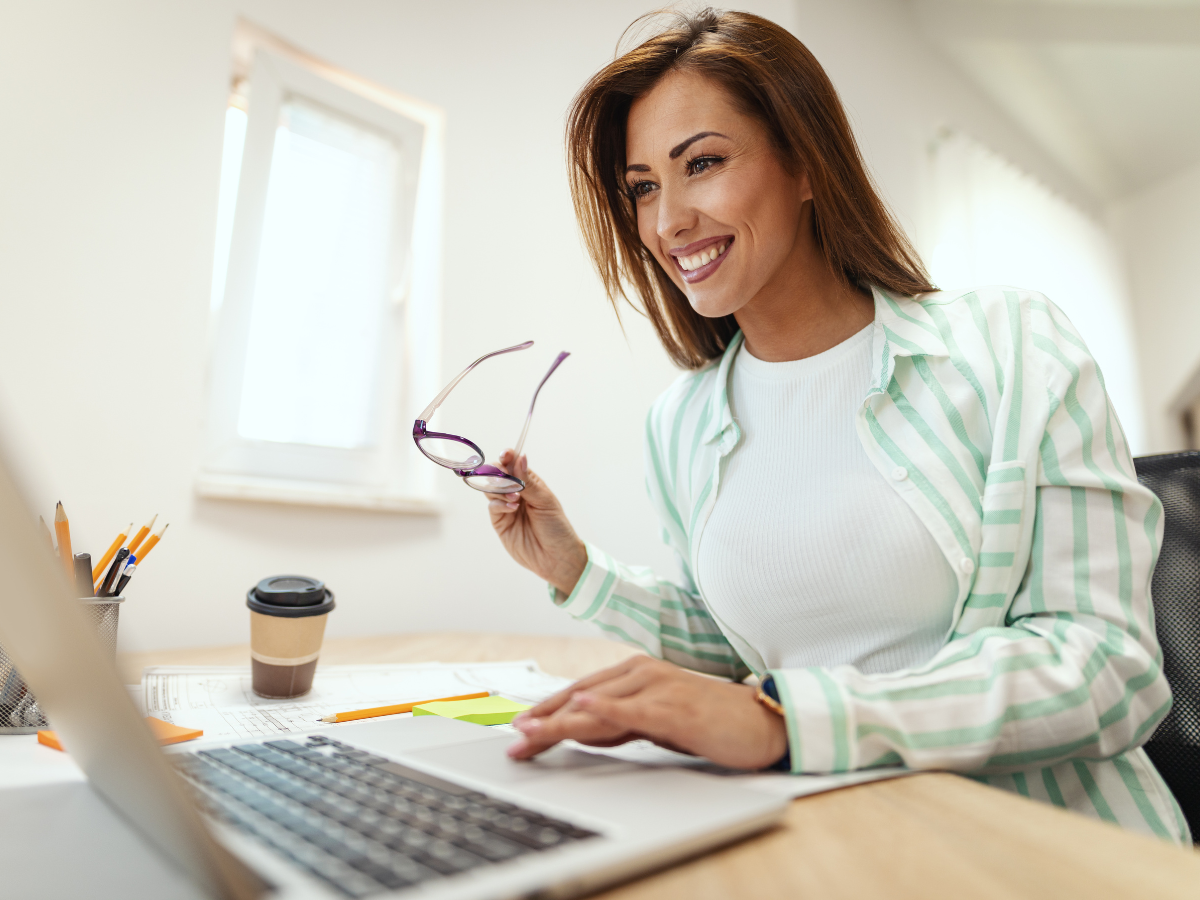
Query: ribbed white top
[[809, 554]]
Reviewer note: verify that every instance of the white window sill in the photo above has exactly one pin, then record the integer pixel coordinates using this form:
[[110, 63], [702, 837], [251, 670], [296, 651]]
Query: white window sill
[[310, 493]]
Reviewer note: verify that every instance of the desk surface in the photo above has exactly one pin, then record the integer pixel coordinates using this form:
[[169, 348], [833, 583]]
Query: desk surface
[[927, 836]]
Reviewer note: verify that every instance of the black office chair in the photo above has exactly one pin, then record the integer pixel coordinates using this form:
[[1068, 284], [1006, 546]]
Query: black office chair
[[1175, 745]]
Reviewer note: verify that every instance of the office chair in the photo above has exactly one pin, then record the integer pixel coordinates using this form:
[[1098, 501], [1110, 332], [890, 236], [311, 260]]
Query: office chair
[[1175, 745]]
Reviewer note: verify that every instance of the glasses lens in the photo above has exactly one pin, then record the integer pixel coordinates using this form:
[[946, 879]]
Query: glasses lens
[[450, 453], [494, 484]]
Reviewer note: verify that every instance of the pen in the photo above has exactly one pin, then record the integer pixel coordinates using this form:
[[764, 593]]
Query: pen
[[108, 554], [62, 528], [152, 541], [83, 574], [141, 535], [126, 574], [102, 591], [398, 708]]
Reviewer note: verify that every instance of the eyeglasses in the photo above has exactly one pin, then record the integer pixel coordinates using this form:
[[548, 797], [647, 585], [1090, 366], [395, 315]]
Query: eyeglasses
[[464, 456]]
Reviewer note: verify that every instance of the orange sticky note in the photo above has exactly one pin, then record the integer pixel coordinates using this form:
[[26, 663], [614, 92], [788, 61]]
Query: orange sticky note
[[164, 731]]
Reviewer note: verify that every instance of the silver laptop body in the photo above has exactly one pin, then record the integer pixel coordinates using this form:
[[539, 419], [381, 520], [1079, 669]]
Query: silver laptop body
[[614, 819]]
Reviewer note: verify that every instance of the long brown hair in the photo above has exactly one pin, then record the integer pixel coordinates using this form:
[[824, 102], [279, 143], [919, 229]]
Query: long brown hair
[[776, 80]]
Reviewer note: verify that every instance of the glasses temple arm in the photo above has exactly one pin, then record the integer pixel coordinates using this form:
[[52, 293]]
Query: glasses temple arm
[[440, 398], [529, 418]]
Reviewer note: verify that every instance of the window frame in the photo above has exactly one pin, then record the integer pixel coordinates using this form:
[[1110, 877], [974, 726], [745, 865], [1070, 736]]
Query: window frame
[[384, 477]]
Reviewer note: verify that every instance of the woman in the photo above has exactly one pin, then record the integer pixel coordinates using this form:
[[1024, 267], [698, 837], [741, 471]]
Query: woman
[[912, 514]]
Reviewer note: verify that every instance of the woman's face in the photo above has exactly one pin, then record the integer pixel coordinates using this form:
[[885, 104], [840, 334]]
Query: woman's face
[[714, 203]]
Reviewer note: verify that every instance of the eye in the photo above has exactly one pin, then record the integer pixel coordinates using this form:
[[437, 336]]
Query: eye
[[703, 164], [640, 189]]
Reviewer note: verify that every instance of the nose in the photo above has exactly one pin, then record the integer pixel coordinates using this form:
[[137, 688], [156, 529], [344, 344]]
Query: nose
[[675, 214]]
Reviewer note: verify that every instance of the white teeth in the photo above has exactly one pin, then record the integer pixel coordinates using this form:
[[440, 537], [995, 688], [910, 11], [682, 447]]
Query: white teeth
[[704, 257]]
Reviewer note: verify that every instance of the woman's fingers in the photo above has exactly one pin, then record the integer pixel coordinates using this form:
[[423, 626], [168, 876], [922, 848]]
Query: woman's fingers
[[624, 713], [539, 735], [556, 701]]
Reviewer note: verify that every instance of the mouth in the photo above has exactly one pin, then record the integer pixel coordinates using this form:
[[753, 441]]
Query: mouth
[[699, 260]]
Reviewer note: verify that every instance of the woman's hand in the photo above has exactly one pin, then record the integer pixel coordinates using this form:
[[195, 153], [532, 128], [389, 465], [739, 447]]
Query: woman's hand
[[534, 529], [652, 699]]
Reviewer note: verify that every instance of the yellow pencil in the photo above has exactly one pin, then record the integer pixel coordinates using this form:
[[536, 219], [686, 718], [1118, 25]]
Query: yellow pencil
[[46, 532], [398, 708], [98, 569], [150, 544], [62, 528], [141, 535]]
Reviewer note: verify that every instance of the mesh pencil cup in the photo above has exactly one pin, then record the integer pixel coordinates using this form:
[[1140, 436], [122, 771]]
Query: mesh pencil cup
[[19, 711]]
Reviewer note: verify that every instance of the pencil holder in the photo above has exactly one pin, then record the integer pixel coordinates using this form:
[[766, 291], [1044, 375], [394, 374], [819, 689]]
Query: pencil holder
[[19, 711]]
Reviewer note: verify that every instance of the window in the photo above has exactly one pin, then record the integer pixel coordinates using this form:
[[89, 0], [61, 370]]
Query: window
[[990, 223], [324, 287]]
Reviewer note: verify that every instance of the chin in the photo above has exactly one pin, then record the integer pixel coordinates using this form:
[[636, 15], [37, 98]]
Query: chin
[[713, 307]]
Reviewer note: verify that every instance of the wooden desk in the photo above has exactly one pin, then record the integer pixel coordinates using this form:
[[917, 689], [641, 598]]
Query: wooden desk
[[927, 836]]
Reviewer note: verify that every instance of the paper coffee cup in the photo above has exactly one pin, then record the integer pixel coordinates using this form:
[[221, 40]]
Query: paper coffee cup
[[287, 624]]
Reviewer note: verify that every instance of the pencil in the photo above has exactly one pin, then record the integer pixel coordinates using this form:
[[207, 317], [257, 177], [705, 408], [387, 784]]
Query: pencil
[[98, 570], [46, 532], [62, 528], [398, 708], [152, 542], [141, 535]]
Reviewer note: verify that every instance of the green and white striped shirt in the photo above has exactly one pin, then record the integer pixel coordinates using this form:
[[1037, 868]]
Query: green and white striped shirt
[[1050, 677]]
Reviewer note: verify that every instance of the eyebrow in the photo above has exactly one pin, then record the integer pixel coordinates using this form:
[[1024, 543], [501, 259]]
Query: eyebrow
[[677, 150]]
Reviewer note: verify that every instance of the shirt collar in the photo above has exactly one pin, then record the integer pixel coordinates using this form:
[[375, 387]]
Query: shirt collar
[[903, 327]]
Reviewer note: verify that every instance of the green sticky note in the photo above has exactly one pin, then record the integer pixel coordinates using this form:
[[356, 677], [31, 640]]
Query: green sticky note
[[484, 711]]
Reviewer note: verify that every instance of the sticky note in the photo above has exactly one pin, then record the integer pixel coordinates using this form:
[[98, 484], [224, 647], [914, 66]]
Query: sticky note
[[483, 711], [164, 731]]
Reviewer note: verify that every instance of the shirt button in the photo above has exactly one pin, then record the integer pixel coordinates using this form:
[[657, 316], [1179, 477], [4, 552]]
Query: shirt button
[[899, 473], [967, 565]]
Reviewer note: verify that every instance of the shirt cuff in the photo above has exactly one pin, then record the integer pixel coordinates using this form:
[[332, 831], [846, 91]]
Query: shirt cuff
[[594, 588], [819, 720]]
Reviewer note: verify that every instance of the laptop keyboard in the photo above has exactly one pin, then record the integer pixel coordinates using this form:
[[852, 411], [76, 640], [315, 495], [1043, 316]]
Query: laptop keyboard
[[362, 823]]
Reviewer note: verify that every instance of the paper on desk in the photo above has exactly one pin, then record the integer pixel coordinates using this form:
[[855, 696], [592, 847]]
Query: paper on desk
[[219, 699]]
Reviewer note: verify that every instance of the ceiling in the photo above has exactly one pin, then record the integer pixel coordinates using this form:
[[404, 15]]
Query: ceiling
[[1111, 90]]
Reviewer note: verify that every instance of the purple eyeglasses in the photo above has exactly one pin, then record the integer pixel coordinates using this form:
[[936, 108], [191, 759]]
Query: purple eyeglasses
[[464, 456]]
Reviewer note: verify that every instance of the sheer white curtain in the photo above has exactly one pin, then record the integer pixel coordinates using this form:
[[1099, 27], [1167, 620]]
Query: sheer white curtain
[[991, 223]]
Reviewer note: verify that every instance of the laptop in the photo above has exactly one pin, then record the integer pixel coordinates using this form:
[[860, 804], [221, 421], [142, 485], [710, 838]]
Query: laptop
[[420, 807]]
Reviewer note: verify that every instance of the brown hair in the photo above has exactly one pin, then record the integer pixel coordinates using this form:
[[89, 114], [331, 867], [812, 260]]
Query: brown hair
[[779, 82]]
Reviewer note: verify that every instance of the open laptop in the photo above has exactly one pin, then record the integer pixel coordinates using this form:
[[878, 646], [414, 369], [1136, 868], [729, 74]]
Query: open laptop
[[420, 807]]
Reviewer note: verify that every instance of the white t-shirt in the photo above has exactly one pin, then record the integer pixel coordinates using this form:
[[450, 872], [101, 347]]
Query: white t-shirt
[[809, 554]]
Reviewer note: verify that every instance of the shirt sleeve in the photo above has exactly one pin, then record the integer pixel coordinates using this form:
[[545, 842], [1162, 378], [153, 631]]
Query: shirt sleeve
[[665, 619], [1074, 671]]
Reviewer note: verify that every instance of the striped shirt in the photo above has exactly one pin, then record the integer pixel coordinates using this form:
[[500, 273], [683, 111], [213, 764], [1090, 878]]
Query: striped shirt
[[988, 415]]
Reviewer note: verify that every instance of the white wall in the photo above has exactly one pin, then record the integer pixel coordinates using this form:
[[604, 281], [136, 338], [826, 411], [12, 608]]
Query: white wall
[[1160, 229], [108, 180]]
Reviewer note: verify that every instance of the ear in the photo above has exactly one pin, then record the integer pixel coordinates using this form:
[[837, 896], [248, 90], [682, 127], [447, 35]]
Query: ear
[[805, 186]]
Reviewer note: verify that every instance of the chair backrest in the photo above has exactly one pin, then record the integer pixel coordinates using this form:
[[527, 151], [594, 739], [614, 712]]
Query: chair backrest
[[1175, 745]]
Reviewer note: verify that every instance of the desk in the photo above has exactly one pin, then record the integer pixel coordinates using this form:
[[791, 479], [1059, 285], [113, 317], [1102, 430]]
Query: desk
[[926, 836]]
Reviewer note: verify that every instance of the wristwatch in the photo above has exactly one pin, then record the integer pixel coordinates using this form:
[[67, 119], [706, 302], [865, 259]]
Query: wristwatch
[[768, 695]]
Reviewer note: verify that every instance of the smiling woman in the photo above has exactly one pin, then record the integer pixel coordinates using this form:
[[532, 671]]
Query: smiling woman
[[777, 120], [911, 514]]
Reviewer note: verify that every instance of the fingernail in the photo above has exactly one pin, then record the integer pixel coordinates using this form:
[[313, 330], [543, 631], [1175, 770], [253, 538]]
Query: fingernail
[[582, 698], [527, 724]]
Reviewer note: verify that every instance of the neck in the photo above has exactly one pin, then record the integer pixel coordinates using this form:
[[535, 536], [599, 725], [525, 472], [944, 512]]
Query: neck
[[806, 309]]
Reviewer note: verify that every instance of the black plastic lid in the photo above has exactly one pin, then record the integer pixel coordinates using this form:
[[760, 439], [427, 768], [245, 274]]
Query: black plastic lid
[[290, 590], [290, 596]]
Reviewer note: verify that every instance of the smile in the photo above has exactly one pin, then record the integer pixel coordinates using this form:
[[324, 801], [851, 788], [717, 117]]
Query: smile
[[702, 261]]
